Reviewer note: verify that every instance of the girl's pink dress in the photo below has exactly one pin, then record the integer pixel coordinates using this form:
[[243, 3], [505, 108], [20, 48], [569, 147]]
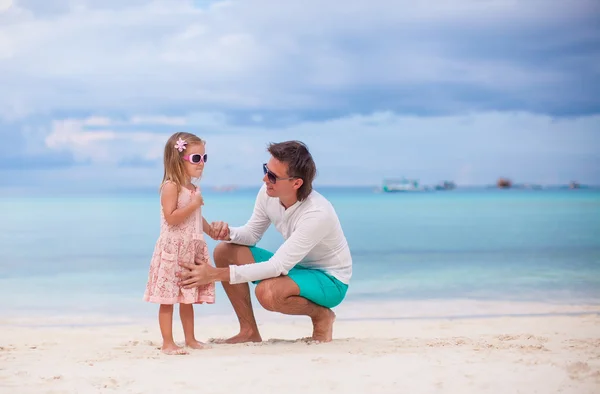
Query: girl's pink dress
[[183, 242]]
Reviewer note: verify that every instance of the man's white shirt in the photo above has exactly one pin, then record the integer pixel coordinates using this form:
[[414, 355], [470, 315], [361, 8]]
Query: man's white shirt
[[312, 233]]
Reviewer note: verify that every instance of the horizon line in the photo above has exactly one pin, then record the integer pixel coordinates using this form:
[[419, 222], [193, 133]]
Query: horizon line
[[17, 192]]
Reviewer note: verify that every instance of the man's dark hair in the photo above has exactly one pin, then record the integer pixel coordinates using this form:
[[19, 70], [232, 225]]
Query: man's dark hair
[[300, 163]]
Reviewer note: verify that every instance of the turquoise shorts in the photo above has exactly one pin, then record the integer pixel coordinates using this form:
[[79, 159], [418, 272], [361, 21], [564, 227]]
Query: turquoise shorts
[[315, 285]]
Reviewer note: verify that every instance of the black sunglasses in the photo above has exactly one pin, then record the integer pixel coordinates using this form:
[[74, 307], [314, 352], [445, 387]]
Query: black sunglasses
[[272, 177]]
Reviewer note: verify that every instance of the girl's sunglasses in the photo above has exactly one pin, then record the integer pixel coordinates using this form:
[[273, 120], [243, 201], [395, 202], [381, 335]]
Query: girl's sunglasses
[[272, 177], [196, 158]]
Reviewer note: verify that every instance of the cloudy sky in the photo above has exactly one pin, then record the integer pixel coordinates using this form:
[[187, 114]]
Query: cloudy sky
[[467, 90]]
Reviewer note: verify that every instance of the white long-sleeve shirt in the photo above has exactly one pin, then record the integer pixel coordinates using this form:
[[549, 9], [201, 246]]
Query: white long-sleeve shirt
[[312, 233]]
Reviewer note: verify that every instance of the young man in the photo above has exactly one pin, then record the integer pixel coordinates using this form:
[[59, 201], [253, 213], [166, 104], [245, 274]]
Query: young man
[[307, 275]]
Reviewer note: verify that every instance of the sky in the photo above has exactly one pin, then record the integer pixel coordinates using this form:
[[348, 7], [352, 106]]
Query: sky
[[462, 90]]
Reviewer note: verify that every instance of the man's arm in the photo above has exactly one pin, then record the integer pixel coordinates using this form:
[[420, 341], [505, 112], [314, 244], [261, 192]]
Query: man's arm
[[304, 238], [309, 231], [251, 232]]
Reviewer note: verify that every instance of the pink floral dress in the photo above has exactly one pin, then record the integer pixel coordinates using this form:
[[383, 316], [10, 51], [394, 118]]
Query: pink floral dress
[[183, 242]]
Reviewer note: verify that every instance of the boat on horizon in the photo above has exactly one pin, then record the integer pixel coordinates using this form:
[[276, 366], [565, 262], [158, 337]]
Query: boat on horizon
[[398, 185], [446, 185]]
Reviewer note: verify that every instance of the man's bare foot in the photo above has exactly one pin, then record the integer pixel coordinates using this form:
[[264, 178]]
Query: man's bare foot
[[239, 338], [195, 345], [323, 327], [173, 350]]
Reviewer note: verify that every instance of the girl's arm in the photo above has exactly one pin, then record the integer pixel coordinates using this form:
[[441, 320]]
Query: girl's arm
[[207, 228], [168, 200]]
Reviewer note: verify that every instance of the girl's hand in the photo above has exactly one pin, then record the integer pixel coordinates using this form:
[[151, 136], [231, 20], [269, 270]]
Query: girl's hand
[[198, 200], [220, 231]]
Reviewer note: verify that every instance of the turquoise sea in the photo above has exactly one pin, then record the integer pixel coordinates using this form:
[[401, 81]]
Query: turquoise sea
[[83, 255]]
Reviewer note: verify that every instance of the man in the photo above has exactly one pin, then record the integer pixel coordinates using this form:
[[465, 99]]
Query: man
[[307, 275]]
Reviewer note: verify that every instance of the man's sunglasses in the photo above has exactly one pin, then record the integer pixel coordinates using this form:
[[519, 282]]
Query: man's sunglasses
[[272, 177], [196, 158]]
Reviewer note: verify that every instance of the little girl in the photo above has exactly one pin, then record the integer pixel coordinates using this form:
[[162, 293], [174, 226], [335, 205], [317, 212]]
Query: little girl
[[181, 239]]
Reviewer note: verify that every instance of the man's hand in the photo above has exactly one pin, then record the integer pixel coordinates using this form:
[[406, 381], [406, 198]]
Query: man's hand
[[220, 231], [194, 275]]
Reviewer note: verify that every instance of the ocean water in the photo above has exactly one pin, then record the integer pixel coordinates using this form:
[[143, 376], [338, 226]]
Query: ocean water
[[82, 255]]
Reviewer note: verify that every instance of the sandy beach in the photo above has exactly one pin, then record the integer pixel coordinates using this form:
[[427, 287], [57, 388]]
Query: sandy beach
[[530, 354]]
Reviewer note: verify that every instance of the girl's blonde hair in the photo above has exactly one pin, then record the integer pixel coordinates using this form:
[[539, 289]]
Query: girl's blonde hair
[[174, 169]]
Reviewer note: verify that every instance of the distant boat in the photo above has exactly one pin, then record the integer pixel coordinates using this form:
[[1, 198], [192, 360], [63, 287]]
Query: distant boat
[[446, 185], [504, 183], [395, 185]]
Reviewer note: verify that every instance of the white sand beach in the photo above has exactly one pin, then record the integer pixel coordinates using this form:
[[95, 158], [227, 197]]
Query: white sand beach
[[545, 354]]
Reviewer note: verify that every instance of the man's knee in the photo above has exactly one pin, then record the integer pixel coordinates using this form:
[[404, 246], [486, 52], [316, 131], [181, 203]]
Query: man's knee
[[266, 295], [223, 254], [226, 254], [271, 293]]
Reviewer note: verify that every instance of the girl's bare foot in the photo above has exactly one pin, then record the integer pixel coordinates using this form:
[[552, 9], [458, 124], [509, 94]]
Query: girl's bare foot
[[173, 349], [196, 345]]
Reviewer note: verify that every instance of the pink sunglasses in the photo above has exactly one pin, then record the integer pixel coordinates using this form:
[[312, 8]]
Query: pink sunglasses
[[196, 158]]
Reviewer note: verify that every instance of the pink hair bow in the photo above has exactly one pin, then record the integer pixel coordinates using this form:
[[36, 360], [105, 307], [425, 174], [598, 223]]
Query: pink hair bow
[[180, 145]]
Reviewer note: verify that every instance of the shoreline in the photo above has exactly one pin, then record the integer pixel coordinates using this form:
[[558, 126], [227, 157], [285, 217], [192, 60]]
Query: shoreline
[[349, 311], [391, 310], [14, 322]]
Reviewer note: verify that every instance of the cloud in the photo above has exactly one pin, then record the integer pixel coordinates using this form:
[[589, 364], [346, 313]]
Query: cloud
[[302, 58], [102, 146], [461, 89], [362, 149], [163, 120]]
